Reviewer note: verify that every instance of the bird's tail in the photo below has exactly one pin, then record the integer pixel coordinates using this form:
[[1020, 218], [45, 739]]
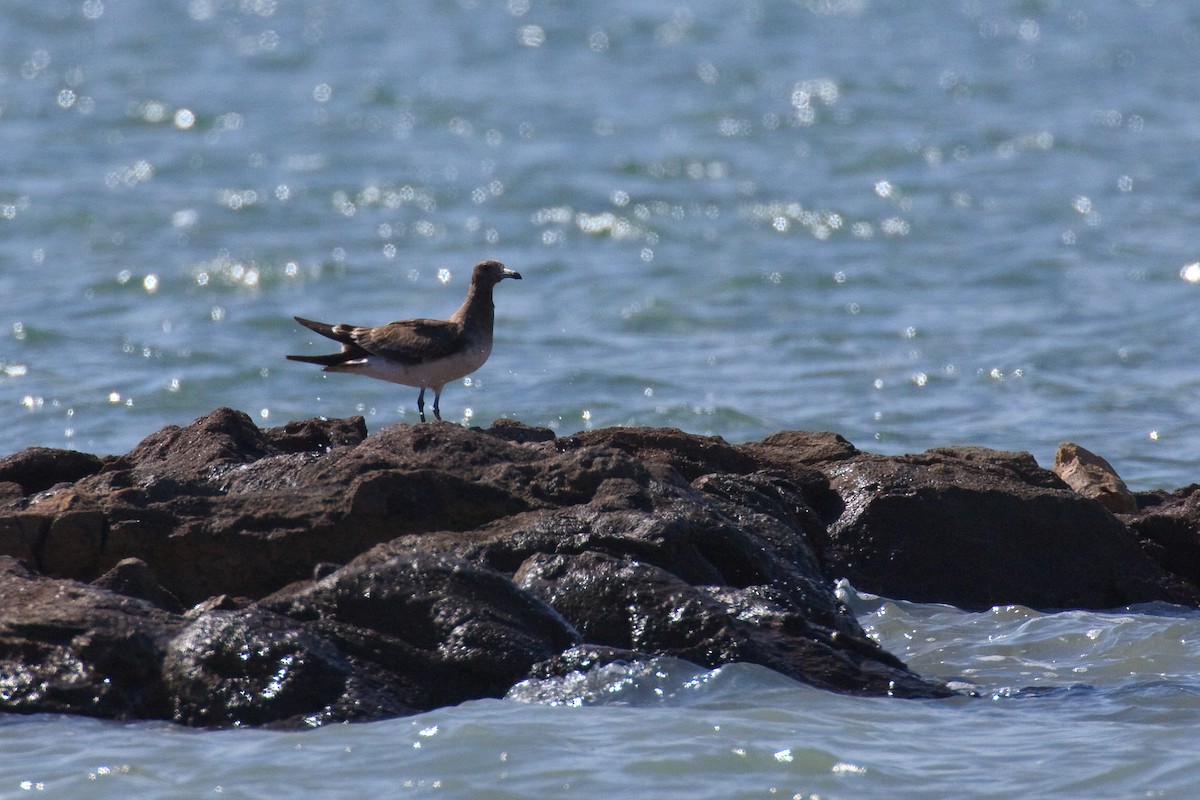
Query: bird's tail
[[325, 329], [339, 333], [331, 360]]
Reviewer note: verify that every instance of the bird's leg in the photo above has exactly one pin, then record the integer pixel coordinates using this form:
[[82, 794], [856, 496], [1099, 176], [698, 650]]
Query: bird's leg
[[421, 404], [437, 396]]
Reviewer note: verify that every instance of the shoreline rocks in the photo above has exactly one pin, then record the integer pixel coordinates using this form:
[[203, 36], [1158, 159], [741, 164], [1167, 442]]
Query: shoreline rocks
[[1092, 476], [220, 574]]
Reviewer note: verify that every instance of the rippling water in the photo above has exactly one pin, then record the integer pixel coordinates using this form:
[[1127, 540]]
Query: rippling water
[[940, 223], [915, 224], [1083, 705]]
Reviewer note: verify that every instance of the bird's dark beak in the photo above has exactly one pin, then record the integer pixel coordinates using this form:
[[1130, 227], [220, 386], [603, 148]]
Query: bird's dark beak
[[508, 273]]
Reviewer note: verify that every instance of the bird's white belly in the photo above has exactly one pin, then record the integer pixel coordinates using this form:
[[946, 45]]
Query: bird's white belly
[[432, 374]]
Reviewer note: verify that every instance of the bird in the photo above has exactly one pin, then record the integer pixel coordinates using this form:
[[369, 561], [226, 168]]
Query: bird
[[422, 353]]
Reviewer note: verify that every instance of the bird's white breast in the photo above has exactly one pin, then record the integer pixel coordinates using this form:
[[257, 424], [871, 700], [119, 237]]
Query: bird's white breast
[[433, 374]]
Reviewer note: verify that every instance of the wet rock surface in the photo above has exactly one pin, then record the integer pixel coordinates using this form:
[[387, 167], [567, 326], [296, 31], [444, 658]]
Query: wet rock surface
[[976, 528], [220, 574]]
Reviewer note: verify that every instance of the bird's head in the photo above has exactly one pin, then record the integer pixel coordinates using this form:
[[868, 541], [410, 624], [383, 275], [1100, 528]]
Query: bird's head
[[491, 272]]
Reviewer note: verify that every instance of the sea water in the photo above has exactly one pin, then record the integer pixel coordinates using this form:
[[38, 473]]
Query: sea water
[[915, 224], [1075, 705]]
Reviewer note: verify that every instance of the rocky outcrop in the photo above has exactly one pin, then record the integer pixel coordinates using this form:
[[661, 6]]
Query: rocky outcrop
[[1168, 525], [221, 574], [1092, 476], [68, 647], [976, 528]]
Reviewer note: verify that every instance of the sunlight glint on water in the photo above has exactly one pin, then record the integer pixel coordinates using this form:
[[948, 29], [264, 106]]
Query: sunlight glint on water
[[915, 226]]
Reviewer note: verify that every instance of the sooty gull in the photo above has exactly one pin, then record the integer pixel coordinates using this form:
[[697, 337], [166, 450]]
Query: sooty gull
[[425, 353]]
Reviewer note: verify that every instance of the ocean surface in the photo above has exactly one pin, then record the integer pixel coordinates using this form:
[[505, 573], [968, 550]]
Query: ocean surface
[[915, 224]]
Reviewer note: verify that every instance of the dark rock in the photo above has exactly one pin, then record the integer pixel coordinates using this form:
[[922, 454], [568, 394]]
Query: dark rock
[[627, 605], [66, 647], [476, 633], [511, 430], [39, 468], [330, 575], [253, 667], [1168, 525], [73, 541], [257, 519], [218, 602], [222, 438], [691, 455], [803, 448], [60, 531], [73, 648], [324, 569], [978, 528], [801, 456], [316, 435], [133, 578], [21, 535]]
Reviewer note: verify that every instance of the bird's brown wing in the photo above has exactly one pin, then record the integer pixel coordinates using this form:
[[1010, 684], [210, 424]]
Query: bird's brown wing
[[410, 341], [341, 333]]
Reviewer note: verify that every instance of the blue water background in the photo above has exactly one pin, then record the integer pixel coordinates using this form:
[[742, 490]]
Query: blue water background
[[915, 224]]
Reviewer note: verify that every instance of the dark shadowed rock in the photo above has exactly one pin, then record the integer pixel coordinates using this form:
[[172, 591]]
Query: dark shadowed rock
[[630, 606], [582, 658], [257, 518], [1168, 525], [250, 667], [66, 647], [513, 431], [39, 468], [691, 455], [316, 435], [60, 533], [977, 528], [463, 630], [716, 572], [255, 667], [802, 457], [341, 655], [133, 578], [803, 448], [330, 575], [222, 438]]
